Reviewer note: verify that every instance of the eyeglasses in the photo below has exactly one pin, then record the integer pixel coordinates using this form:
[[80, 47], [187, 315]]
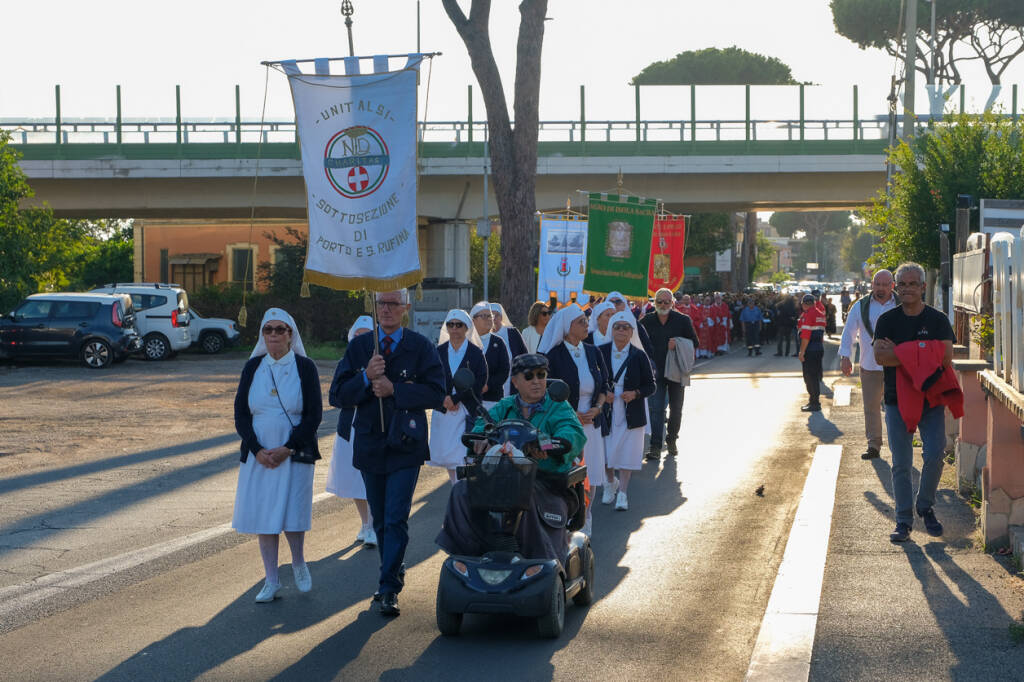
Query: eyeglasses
[[531, 374], [272, 329], [622, 326], [454, 324], [484, 316], [389, 304], [904, 285], [663, 302]]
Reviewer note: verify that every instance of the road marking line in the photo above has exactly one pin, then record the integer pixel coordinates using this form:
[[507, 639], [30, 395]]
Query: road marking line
[[841, 395], [15, 597], [786, 639]]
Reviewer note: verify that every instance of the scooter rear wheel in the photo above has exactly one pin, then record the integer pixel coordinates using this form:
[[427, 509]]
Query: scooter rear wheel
[[586, 594], [550, 624]]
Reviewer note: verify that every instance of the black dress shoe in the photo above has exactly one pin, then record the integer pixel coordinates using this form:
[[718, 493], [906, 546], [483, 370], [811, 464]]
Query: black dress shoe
[[672, 451], [811, 408], [871, 453], [389, 604]]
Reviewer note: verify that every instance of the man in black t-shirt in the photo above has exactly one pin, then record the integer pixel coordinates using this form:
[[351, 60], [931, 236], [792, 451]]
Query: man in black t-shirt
[[912, 321]]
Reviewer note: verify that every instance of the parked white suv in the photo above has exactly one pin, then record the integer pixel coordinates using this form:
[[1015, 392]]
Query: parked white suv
[[161, 316], [211, 334]]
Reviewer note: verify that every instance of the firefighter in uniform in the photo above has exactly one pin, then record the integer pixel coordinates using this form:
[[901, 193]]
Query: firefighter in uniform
[[812, 349]]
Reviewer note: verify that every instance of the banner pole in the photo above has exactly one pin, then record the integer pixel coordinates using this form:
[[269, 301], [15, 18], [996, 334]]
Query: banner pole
[[376, 349]]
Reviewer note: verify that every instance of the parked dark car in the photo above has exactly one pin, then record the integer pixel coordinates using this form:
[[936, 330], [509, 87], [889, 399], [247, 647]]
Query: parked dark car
[[98, 329]]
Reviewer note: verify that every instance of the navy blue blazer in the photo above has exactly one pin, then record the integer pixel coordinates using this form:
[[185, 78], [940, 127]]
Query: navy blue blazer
[[304, 433], [561, 366], [498, 368], [418, 377], [639, 377], [515, 342], [474, 359]]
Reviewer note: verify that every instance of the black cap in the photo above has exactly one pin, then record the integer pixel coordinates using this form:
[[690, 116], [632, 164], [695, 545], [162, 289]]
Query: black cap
[[529, 361], [815, 293], [808, 298]]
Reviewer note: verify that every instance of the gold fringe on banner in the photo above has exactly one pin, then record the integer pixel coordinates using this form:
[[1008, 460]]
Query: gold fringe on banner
[[402, 281], [419, 291]]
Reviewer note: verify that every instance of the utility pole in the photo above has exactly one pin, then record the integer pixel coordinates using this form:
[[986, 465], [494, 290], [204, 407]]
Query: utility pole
[[909, 70], [346, 11]]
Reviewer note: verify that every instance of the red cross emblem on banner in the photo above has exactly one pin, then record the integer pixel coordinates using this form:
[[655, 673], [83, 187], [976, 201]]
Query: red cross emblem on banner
[[358, 179]]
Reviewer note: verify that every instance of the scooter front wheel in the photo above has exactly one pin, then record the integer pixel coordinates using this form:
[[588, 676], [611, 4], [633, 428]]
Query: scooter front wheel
[[551, 623], [448, 623], [586, 594]]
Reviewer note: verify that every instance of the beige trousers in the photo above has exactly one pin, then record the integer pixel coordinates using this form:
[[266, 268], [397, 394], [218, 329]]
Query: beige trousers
[[872, 386]]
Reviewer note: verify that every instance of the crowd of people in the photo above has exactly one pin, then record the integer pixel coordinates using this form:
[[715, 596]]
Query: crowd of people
[[626, 366]]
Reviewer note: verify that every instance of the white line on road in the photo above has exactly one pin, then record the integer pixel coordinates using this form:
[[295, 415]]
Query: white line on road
[[786, 639], [841, 395], [16, 597]]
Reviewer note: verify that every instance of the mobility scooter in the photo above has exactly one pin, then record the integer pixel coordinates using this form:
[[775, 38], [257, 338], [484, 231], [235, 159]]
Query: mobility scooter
[[500, 487]]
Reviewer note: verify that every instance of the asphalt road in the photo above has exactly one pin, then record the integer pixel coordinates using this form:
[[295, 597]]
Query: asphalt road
[[683, 577]]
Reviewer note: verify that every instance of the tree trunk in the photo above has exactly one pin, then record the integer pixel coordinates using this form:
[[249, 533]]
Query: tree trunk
[[747, 256], [513, 151]]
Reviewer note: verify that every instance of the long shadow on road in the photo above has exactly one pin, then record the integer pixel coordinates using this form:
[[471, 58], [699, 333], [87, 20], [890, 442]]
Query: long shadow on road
[[243, 625]]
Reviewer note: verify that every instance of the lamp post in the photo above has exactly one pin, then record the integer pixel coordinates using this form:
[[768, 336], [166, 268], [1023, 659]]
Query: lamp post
[[346, 11]]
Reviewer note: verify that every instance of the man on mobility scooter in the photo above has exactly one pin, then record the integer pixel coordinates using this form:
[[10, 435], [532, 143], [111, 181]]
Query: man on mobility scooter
[[509, 519]]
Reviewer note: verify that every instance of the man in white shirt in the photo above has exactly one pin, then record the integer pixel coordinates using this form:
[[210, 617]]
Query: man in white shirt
[[860, 328]]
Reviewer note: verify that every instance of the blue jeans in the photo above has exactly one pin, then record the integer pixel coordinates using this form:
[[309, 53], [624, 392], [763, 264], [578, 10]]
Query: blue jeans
[[932, 428], [674, 393], [389, 497]]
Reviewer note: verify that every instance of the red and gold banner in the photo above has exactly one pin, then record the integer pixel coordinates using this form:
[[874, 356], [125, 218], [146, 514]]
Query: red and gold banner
[[668, 243]]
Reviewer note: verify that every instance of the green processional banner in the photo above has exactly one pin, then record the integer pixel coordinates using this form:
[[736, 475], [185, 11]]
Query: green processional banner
[[619, 244]]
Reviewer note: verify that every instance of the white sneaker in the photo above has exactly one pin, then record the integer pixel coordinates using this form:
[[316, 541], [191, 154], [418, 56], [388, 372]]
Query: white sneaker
[[303, 580], [268, 593], [621, 504], [361, 535], [370, 538], [608, 495]]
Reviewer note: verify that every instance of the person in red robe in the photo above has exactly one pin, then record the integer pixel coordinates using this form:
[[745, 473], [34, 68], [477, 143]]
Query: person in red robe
[[694, 312], [723, 323], [706, 331]]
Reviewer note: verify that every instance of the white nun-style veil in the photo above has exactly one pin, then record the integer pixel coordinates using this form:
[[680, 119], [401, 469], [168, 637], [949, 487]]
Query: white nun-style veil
[[362, 322], [280, 316], [500, 309], [593, 328], [558, 327], [626, 316], [471, 334]]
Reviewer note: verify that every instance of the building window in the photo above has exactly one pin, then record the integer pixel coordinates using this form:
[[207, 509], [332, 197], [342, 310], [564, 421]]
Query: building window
[[191, 276], [243, 265]]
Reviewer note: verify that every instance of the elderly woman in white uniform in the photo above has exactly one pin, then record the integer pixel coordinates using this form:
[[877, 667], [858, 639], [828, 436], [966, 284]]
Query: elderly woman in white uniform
[[633, 380], [278, 408], [580, 365], [459, 346], [600, 333], [496, 352], [343, 479]]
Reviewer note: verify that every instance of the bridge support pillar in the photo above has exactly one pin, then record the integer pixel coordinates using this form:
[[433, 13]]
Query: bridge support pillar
[[446, 279]]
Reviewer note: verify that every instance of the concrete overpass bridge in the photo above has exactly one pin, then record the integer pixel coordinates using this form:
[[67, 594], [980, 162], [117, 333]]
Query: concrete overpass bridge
[[170, 168]]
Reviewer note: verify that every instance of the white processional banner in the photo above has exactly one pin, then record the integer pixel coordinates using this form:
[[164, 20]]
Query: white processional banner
[[563, 255], [357, 134]]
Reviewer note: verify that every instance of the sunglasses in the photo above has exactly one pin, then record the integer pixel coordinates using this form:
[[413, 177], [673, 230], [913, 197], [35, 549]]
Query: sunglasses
[[454, 324], [545, 312], [272, 329], [530, 374], [622, 326]]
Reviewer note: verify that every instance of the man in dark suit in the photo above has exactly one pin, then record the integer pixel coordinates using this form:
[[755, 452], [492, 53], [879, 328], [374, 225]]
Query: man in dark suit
[[408, 379]]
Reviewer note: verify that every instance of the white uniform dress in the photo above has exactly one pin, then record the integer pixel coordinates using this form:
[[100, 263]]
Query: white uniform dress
[[593, 451], [269, 501], [343, 479], [624, 447], [446, 428]]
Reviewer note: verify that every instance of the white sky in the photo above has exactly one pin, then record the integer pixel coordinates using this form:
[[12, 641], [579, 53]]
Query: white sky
[[207, 47]]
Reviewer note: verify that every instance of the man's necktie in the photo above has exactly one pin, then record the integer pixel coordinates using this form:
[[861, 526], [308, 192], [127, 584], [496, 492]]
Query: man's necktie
[[385, 346]]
